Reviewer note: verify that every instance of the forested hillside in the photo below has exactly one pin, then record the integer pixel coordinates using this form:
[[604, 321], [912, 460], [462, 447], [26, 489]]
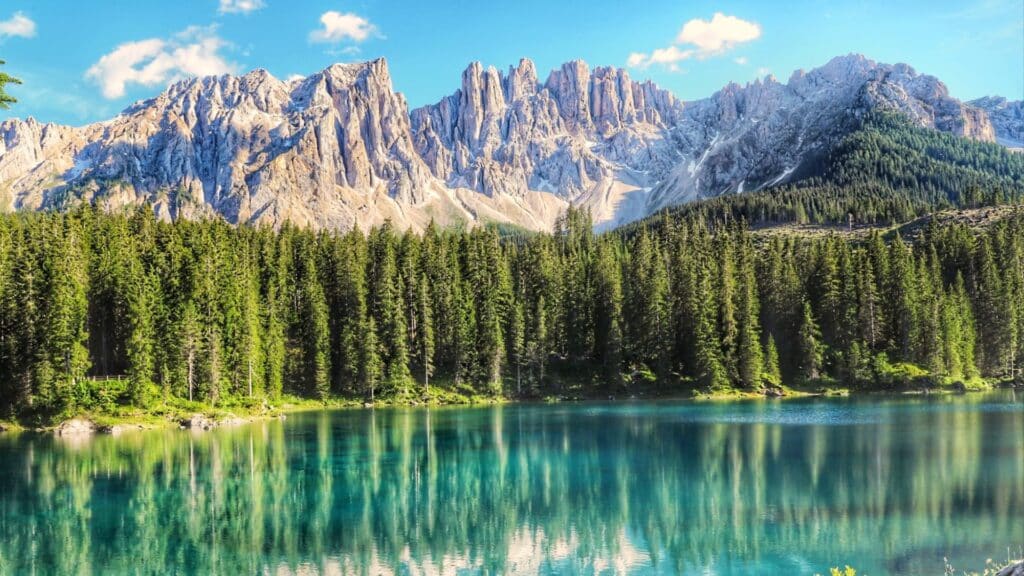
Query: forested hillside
[[887, 171], [217, 314]]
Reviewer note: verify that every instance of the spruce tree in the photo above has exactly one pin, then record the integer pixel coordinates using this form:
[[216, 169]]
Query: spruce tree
[[142, 298], [6, 99], [425, 339], [750, 357], [772, 371], [371, 367], [517, 343], [317, 341], [608, 315], [65, 356], [809, 347]]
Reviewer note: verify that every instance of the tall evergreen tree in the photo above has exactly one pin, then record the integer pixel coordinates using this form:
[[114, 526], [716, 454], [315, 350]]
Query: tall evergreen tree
[[425, 339], [809, 346], [6, 99]]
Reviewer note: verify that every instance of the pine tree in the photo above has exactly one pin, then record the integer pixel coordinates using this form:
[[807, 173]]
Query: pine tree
[[317, 340], [607, 315], [372, 369], [725, 290], [6, 99], [537, 347], [994, 308], [750, 357], [65, 356], [809, 348], [711, 372], [142, 298], [772, 372], [517, 343], [902, 304], [190, 343], [425, 323], [387, 307]]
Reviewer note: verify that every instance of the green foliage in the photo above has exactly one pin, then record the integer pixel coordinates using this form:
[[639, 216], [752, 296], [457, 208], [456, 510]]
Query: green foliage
[[6, 99], [203, 312]]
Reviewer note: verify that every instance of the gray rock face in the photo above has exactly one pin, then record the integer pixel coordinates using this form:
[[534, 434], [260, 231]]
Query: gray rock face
[[508, 134], [1007, 118], [340, 149], [749, 137], [249, 149]]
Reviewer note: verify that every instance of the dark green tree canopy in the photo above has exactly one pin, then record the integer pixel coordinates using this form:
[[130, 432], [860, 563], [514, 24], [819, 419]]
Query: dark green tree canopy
[[6, 99]]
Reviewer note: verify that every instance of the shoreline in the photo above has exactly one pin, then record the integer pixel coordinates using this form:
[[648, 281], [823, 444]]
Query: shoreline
[[208, 418]]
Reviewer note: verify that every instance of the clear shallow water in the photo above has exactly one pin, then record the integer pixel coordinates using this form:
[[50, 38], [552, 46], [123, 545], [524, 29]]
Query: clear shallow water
[[890, 486]]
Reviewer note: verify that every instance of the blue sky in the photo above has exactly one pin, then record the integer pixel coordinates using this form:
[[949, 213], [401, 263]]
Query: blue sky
[[85, 61]]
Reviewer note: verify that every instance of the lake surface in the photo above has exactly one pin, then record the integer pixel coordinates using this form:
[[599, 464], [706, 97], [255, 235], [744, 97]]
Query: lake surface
[[890, 486]]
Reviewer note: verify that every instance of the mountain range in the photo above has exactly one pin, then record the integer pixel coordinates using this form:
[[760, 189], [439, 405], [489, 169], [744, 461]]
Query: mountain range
[[341, 149]]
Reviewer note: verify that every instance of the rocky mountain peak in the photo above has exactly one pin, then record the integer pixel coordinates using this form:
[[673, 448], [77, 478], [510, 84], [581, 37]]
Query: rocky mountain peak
[[340, 148], [521, 81], [1007, 118]]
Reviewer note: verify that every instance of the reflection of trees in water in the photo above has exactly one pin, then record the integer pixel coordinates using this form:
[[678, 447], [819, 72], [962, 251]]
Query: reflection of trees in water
[[507, 488]]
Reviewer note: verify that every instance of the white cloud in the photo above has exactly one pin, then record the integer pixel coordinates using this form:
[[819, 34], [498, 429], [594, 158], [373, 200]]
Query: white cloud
[[156, 61], [17, 25], [338, 27], [718, 35], [741, 60], [700, 39], [240, 6]]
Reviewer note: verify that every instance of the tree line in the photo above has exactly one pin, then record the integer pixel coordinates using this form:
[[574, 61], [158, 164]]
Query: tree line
[[886, 171], [203, 311]]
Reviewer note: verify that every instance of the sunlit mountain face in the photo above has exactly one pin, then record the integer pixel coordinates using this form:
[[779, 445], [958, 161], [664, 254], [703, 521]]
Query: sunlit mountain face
[[341, 149]]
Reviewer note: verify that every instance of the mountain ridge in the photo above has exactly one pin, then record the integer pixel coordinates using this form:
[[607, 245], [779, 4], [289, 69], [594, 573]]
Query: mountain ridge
[[341, 149]]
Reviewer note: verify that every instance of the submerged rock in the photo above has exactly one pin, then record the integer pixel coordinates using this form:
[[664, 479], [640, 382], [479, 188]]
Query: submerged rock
[[1016, 569], [232, 420], [75, 427], [118, 429], [197, 422]]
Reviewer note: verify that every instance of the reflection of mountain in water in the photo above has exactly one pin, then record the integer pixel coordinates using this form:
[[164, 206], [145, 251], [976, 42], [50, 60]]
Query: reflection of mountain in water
[[593, 489]]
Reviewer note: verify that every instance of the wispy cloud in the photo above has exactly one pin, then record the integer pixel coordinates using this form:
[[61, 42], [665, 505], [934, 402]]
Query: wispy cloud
[[17, 25], [700, 39], [196, 51], [336, 27], [741, 60], [240, 6]]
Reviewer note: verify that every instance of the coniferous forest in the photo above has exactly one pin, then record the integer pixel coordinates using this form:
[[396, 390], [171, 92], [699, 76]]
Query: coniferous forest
[[207, 312], [99, 310]]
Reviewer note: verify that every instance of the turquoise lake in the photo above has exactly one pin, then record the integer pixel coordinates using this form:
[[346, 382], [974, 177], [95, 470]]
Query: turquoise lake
[[887, 485]]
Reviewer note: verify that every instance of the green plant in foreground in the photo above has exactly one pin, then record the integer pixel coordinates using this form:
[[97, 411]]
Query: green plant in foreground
[[847, 571], [992, 568]]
